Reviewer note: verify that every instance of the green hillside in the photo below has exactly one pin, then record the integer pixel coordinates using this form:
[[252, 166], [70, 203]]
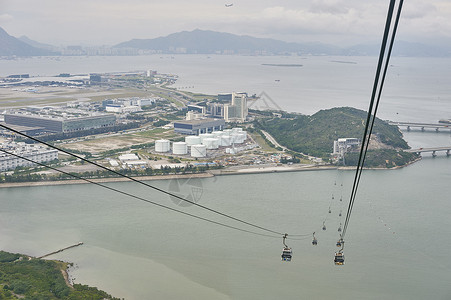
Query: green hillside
[[314, 135], [39, 279]]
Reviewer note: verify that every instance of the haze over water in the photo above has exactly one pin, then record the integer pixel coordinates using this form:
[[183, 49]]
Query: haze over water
[[398, 237]]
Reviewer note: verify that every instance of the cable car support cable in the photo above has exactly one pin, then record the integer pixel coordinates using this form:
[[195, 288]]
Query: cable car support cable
[[377, 89], [143, 183]]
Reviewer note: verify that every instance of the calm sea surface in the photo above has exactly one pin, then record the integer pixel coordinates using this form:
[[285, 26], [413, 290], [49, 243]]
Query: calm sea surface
[[398, 238]]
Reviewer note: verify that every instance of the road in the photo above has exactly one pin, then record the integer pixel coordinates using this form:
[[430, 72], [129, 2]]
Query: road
[[273, 140]]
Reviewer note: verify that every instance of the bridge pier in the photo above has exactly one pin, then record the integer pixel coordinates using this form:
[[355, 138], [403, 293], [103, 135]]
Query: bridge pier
[[436, 129], [433, 154], [422, 128], [447, 152], [408, 128]]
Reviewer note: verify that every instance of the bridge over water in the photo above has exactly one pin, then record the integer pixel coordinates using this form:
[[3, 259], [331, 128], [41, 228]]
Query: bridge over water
[[422, 126], [433, 150]]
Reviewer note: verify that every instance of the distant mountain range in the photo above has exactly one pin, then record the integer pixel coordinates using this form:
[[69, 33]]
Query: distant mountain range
[[35, 44], [10, 45], [208, 42], [211, 42]]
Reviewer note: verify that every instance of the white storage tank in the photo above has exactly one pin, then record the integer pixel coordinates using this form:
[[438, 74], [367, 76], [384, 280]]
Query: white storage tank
[[211, 143], [192, 140], [198, 151], [240, 138], [225, 140], [217, 134], [205, 136], [231, 150], [179, 148], [162, 146]]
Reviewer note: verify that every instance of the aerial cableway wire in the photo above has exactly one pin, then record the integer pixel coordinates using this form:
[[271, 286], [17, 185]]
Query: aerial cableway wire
[[377, 90], [147, 185], [137, 197], [143, 183]]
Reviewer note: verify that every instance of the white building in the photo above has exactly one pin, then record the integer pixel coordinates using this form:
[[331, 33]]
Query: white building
[[237, 111], [343, 145], [122, 109], [34, 152], [192, 115], [128, 157]]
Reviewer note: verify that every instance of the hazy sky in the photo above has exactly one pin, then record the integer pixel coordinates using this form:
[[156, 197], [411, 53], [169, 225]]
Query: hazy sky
[[107, 22]]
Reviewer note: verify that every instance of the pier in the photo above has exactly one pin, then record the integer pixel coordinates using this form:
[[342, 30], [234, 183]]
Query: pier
[[433, 150], [61, 250], [422, 126]]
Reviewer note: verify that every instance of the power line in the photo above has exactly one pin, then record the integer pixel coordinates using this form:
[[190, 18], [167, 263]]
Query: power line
[[143, 183], [377, 89], [137, 197]]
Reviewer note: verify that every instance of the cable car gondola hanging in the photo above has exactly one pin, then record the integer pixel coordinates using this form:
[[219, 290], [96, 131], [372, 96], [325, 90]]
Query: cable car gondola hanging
[[286, 251], [315, 241], [339, 259]]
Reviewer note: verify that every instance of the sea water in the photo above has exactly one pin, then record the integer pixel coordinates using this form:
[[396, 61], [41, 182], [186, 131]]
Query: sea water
[[398, 236]]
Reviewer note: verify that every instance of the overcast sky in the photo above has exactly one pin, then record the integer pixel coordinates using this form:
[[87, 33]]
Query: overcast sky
[[107, 22]]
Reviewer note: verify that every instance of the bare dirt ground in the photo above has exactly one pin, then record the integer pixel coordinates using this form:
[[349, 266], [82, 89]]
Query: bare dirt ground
[[102, 144], [375, 143]]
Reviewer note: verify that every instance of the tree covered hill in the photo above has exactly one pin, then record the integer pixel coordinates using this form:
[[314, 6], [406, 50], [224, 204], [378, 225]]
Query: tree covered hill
[[22, 277], [314, 135]]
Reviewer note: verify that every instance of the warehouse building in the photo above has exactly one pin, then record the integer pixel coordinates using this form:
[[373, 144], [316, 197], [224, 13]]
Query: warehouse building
[[60, 123], [196, 127]]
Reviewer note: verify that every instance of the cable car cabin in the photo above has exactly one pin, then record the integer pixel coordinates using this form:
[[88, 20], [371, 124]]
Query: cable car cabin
[[286, 254], [339, 259]]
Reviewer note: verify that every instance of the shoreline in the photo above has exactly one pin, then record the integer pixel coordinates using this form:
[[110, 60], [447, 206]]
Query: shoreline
[[270, 169], [241, 170], [103, 180]]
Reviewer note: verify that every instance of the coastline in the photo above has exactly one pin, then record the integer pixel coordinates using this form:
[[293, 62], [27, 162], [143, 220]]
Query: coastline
[[269, 169], [231, 171], [237, 170], [103, 180]]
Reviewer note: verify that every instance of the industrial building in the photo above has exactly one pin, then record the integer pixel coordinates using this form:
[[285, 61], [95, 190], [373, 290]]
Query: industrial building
[[237, 111], [196, 108], [234, 111], [343, 145], [215, 110], [34, 152], [196, 127], [125, 102], [58, 121]]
